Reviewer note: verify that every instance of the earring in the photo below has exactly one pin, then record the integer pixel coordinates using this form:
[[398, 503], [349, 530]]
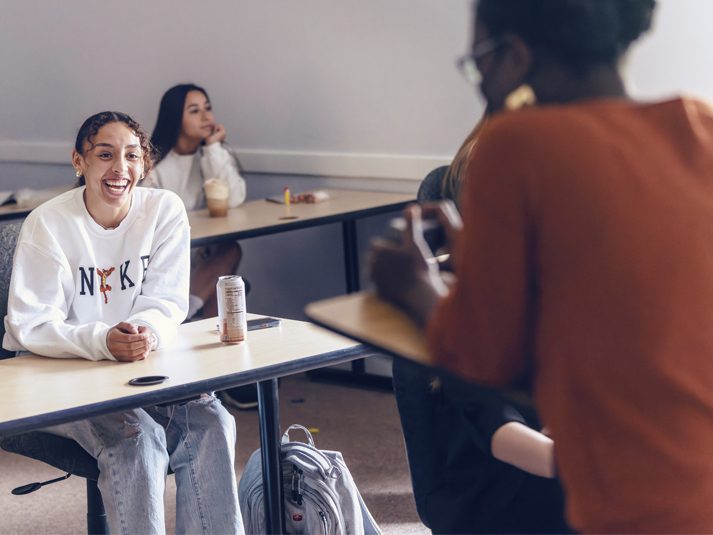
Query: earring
[[520, 97], [77, 173]]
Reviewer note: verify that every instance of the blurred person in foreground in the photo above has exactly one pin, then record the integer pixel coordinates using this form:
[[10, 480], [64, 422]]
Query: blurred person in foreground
[[477, 459], [583, 264]]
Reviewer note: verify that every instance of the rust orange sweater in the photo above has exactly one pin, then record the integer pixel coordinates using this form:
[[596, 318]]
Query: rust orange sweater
[[586, 268]]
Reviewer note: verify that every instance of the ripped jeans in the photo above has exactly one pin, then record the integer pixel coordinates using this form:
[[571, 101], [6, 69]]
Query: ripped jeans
[[134, 450]]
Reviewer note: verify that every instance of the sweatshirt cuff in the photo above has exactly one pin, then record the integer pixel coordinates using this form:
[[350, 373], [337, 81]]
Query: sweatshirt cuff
[[164, 333], [214, 150], [104, 347]]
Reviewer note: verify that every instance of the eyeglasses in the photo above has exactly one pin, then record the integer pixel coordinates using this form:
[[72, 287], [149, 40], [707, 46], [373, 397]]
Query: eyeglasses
[[468, 64]]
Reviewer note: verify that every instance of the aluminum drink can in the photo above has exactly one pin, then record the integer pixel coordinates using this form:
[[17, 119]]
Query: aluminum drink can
[[232, 313]]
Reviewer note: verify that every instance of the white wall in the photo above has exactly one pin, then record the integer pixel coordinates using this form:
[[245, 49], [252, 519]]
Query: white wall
[[362, 87], [677, 56], [350, 88]]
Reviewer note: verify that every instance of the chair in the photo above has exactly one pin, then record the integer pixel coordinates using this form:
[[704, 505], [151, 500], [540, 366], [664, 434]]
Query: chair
[[62, 453], [430, 187], [457, 486], [416, 400]]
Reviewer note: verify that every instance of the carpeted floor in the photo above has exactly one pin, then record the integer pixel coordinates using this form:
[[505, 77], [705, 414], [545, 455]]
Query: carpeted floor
[[362, 424]]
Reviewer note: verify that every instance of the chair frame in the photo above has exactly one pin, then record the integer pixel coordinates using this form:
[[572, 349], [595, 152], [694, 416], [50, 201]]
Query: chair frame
[[59, 452]]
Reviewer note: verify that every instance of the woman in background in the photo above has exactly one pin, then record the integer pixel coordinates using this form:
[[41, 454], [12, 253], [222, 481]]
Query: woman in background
[[101, 273], [190, 147]]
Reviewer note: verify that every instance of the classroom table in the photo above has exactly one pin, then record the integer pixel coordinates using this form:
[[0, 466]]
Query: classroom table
[[39, 391], [14, 211], [262, 217], [370, 320], [29, 199]]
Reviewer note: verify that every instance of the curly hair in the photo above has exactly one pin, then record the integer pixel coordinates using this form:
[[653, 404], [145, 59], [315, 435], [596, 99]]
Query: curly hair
[[580, 33], [89, 129]]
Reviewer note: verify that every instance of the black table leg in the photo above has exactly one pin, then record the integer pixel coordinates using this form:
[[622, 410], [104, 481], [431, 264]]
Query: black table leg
[[351, 255], [351, 271], [357, 374], [268, 409]]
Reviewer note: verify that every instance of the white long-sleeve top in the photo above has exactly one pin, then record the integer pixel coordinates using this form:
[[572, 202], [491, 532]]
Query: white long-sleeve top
[[73, 280], [185, 174]]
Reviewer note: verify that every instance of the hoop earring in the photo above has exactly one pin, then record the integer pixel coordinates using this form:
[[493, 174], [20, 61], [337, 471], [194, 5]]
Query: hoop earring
[[523, 96]]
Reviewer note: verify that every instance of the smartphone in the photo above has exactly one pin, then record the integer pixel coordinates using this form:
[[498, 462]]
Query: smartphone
[[148, 380], [433, 232], [262, 323]]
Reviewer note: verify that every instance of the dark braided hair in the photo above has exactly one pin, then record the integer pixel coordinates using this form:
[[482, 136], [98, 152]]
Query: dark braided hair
[[581, 33], [90, 128]]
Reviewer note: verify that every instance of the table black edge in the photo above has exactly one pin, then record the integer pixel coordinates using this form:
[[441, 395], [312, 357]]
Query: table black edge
[[297, 224], [20, 214], [179, 392], [363, 341]]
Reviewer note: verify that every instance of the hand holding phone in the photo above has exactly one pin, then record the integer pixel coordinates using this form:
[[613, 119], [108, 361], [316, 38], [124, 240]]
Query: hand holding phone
[[433, 232]]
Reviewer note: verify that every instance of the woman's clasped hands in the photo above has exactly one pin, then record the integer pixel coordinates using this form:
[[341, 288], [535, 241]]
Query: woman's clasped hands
[[129, 342]]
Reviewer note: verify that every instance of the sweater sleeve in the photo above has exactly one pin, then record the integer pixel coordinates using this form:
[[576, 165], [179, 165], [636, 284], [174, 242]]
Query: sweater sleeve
[[41, 288], [480, 330], [163, 302], [217, 161]]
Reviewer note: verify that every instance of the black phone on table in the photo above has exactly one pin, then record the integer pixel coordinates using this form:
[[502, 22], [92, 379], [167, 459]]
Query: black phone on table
[[262, 323]]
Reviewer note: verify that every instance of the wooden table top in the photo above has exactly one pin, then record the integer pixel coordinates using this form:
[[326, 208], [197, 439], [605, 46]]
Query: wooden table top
[[370, 320], [261, 217], [28, 199], [13, 211], [40, 391]]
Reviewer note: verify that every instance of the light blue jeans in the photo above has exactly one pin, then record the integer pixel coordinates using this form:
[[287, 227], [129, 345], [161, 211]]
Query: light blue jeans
[[134, 450]]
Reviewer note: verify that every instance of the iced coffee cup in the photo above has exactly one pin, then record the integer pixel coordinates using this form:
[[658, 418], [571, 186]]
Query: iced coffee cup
[[216, 196]]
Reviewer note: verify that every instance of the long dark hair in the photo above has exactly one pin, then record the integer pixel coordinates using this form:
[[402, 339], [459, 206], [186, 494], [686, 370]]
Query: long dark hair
[[170, 118], [89, 129]]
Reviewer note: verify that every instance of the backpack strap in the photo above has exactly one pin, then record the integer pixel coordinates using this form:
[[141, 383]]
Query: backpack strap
[[286, 436]]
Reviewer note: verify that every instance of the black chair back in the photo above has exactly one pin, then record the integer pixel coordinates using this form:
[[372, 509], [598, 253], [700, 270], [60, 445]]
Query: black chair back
[[9, 230], [60, 452]]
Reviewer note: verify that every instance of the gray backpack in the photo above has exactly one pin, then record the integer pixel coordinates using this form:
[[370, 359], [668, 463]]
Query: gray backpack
[[320, 494]]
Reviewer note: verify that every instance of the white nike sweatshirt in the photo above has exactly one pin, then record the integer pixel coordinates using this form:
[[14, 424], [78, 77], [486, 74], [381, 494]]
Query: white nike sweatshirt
[[73, 280]]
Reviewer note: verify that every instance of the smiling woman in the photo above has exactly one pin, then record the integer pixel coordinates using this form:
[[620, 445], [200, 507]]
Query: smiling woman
[[101, 272], [111, 156]]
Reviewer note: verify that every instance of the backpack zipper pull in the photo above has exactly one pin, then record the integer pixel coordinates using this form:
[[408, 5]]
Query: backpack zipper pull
[[296, 492], [323, 516]]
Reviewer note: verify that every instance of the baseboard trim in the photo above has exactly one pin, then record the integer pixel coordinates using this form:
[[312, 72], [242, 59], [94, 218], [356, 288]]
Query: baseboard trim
[[331, 164]]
